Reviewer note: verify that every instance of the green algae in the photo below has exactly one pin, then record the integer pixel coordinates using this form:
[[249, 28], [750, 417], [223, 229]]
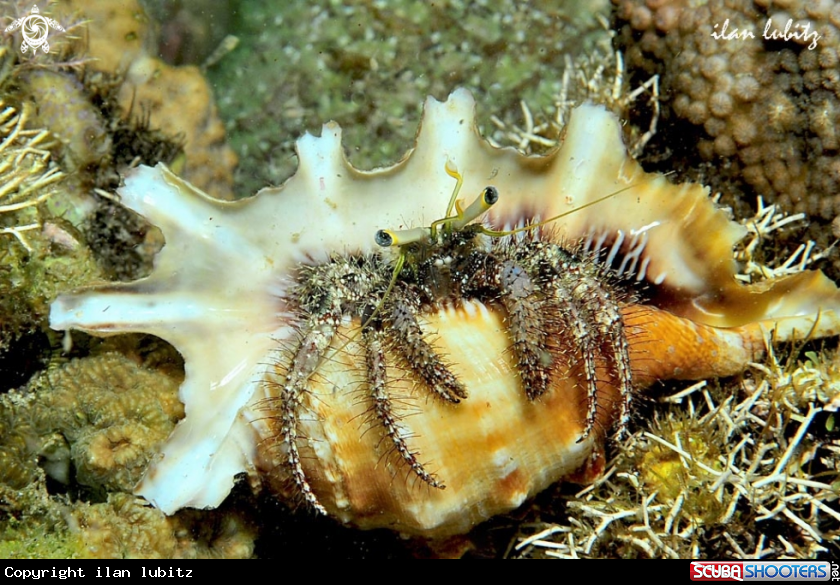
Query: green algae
[[369, 66], [36, 540]]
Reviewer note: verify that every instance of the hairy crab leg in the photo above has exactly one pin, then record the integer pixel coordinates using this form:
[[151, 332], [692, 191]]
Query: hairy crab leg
[[520, 297], [378, 381], [526, 326], [572, 316], [597, 322], [421, 356], [605, 313], [306, 360]]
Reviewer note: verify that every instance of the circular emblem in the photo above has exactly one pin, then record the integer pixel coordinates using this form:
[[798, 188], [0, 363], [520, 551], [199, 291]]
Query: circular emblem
[[35, 29]]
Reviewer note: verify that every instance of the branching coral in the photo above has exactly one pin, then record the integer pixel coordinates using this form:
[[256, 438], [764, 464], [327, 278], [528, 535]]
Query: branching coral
[[26, 173], [739, 476], [39, 253], [756, 262], [598, 76]]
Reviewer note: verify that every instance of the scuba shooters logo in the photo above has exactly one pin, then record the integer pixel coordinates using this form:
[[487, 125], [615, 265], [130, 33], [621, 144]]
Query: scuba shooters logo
[[765, 571], [35, 30]]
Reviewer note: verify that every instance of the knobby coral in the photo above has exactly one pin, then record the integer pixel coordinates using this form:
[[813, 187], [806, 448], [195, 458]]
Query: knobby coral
[[765, 105]]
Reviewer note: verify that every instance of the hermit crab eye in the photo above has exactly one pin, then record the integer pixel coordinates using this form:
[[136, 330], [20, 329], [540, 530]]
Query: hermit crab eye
[[384, 238], [491, 195]]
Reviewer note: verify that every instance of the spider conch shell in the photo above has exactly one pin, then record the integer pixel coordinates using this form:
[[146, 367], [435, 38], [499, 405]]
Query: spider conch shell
[[219, 291]]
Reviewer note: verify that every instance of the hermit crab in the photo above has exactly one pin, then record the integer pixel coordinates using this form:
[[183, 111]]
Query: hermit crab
[[371, 345]]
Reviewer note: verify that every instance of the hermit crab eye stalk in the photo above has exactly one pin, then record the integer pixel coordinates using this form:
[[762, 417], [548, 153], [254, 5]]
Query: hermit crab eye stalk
[[488, 197], [390, 238]]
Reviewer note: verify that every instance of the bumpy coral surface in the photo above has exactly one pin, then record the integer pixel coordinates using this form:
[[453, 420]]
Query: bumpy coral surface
[[95, 423], [109, 413], [767, 107], [125, 527]]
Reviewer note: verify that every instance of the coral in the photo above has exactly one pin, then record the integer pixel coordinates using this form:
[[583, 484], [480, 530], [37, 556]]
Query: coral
[[764, 110], [175, 100], [40, 253], [37, 525], [111, 413], [18, 451], [89, 427], [27, 175], [179, 100], [117, 30], [127, 527], [63, 106], [102, 417], [743, 472]]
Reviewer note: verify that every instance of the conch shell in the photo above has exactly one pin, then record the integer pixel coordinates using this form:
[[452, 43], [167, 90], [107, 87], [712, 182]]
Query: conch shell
[[220, 293]]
